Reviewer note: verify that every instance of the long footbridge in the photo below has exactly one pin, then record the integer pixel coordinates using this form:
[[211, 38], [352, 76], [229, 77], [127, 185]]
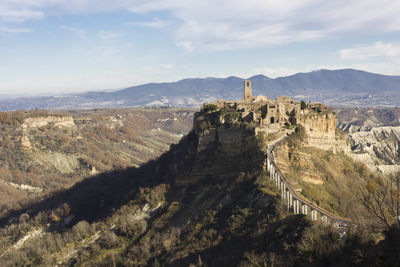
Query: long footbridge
[[295, 202]]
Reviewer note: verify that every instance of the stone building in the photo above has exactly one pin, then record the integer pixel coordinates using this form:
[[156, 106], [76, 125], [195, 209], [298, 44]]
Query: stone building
[[263, 110]]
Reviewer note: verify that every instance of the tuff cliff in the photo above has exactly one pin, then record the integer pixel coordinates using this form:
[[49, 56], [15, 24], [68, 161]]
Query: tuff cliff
[[320, 130], [35, 122], [223, 148], [228, 143], [377, 147]]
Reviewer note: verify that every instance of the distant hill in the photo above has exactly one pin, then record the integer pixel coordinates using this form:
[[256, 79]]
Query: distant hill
[[346, 87]]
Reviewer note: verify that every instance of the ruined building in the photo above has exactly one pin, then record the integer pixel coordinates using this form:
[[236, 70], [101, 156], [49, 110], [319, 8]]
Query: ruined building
[[282, 111]]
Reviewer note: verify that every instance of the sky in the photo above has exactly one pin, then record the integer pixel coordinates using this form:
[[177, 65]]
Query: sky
[[70, 46]]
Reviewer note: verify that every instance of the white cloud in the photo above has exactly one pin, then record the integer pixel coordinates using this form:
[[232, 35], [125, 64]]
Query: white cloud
[[185, 45], [159, 68], [107, 52], [156, 23], [378, 49], [79, 31], [19, 15], [234, 24], [108, 35], [14, 30], [168, 66]]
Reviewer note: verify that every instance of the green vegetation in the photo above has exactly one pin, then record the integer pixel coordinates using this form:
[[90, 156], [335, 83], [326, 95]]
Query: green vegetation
[[303, 105], [209, 108], [229, 114]]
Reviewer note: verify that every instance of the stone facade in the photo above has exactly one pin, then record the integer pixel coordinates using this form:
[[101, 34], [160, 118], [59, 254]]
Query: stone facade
[[264, 111], [247, 90], [272, 116]]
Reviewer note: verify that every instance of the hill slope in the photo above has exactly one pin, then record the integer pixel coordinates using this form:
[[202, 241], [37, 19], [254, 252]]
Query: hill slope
[[44, 151], [206, 201]]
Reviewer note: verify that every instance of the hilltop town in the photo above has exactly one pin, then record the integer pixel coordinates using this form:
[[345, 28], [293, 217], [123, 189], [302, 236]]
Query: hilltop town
[[271, 117], [283, 111]]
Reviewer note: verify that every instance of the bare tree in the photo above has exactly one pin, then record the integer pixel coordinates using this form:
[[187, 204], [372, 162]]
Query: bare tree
[[381, 198]]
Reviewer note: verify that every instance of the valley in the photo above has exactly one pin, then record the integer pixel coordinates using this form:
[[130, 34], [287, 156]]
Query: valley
[[169, 186], [374, 136]]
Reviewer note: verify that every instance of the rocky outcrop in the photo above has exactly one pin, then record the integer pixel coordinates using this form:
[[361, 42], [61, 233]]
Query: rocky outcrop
[[377, 147], [25, 142], [66, 121], [320, 131], [222, 150]]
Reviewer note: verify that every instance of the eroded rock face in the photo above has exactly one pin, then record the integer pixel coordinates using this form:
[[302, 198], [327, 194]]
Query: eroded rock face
[[320, 131], [377, 147], [25, 142], [66, 121], [223, 150]]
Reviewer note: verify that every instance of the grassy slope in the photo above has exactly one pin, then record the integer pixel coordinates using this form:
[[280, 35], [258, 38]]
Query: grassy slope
[[338, 177]]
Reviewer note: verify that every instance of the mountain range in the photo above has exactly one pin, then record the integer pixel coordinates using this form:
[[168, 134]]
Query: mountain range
[[345, 87]]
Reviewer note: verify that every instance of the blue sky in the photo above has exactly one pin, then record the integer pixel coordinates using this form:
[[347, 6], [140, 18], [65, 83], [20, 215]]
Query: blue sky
[[60, 46]]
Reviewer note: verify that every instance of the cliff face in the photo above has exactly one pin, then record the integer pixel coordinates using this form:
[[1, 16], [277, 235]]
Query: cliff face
[[222, 149], [66, 121], [377, 147], [321, 133]]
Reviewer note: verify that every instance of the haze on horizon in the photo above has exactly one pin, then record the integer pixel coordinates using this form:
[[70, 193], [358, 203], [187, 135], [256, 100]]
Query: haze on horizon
[[58, 46]]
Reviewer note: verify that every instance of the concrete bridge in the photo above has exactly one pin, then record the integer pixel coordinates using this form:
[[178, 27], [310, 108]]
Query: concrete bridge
[[295, 202]]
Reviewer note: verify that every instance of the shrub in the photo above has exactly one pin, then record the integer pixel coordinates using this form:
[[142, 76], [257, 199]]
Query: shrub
[[81, 229], [110, 240], [303, 104], [209, 108]]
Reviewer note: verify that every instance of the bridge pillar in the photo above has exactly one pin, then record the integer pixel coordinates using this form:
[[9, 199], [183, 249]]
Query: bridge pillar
[[284, 190], [305, 209], [288, 199], [294, 206], [314, 215], [324, 219], [298, 206]]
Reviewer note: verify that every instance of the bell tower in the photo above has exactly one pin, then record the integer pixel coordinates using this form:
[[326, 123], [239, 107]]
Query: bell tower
[[247, 90]]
